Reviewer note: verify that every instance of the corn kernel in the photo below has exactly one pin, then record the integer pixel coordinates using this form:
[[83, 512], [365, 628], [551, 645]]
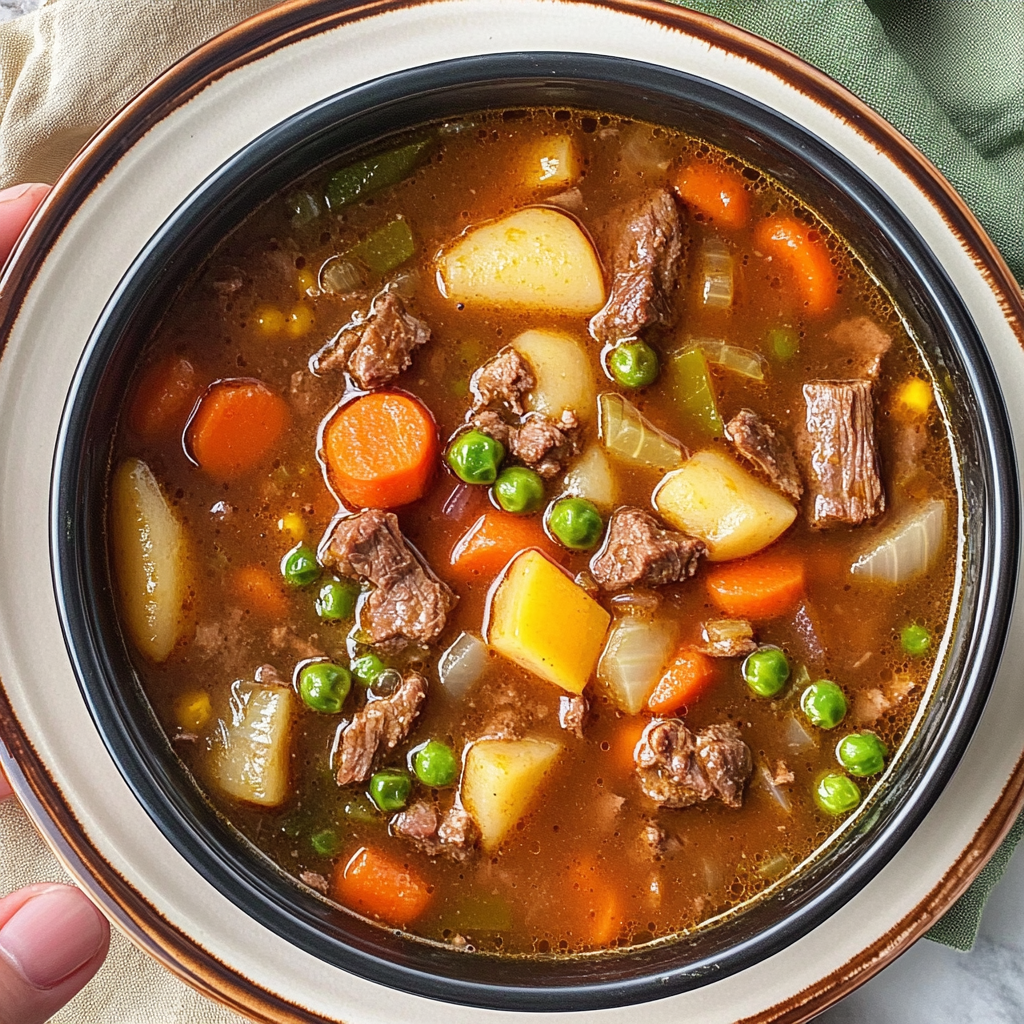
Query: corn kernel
[[300, 321], [194, 710], [292, 524], [305, 283], [916, 396], [269, 319]]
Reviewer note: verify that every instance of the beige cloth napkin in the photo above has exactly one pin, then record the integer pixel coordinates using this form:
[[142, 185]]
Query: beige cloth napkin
[[64, 70]]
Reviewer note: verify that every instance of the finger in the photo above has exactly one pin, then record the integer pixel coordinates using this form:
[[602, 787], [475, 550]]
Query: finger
[[5, 786], [52, 941], [17, 204]]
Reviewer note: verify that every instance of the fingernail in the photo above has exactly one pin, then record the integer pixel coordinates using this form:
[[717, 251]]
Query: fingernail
[[8, 195], [52, 935]]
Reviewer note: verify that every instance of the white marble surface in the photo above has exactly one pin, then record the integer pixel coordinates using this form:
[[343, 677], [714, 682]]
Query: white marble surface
[[12, 8]]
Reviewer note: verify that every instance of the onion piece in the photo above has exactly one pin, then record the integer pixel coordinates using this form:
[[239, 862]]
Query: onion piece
[[340, 277], [777, 793], [797, 738], [625, 432], [462, 664], [743, 361], [717, 269], [634, 655], [775, 866], [591, 477], [908, 549]]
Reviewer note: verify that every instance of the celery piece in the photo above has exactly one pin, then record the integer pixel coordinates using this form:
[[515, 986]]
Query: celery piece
[[362, 179], [784, 343], [695, 396], [388, 247], [304, 207], [480, 914]]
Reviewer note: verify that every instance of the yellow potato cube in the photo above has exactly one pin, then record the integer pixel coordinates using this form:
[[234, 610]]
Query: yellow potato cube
[[713, 498], [544, 622], [554, 162], [500, 780], [563, 371]]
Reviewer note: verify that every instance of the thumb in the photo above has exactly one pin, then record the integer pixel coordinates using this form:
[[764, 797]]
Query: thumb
[[52, 941]]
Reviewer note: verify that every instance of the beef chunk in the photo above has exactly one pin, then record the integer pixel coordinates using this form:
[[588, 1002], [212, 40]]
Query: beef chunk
[[458, 833], [638, 551], [757, 441], [644, 270], [543, 444], [493, 425], [379, 728], [375, 347], [409, 604], [504, 380], [840, 455], [728, 638], [572, 712], [861, 344], [453, 835], [677, 768]]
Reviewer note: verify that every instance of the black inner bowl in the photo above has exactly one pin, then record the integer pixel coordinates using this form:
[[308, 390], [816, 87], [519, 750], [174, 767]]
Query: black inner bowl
[[891, 249]]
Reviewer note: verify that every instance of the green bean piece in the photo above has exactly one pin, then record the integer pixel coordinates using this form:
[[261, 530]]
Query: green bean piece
[[337, 600], [299, 566], [694, 391], [836, 794], [325, 842], [824, 704], [862, 753], [766, 671], [634, 364], [475, 457], [784, 343], [390, 790], [519, 490], [366, 668], [915, 640], [576, 523], [435, 764], [386, 248], [363, 178], [323, 686]]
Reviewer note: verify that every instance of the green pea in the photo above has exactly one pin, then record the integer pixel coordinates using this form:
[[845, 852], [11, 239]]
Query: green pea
[[324, 686], [325, 842], [784, 343], [390, 790], [634, 364], [836, 794], [862, 753], [358, 808], [519, 489], [576, 523], [766, 671], [475, 457], [366, 668], [299, 566], [915, 640], [337, 600], [824, 704], [435, 764]]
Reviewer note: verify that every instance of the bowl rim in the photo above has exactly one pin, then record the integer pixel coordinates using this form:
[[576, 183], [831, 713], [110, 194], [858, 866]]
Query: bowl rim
[[277, 28]]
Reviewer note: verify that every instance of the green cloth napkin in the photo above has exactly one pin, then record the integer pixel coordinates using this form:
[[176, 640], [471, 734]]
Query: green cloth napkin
[[949, 74]]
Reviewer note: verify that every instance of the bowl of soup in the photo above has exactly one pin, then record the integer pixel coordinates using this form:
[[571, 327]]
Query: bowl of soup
[[534, 531]]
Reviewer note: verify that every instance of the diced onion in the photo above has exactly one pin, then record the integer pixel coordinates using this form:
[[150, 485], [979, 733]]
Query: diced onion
[[591, 477], [797, 738], [717, 285], [462, 664], [644, 153], [405, 283], [777, 793], [340, 277], [627, 433], [731, 357], [909, 548], [775, 866], [633, 657]]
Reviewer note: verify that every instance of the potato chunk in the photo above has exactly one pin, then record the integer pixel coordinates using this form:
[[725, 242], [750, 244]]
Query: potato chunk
[[500, 780], [563, 371], [711, 497], [537, 259], [591, 477], [540, 619], [150, 560], [552, 163], [253, 765]]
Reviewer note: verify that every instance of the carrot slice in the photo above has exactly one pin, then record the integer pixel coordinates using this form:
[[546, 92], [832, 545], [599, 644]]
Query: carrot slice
[[165, 395], [259, 592], [624, 742], [764, 587], [236, 427], [716, 192], [598, 909], [377, 885], [493, 541], [685, 678], [381, 450], [804, 251]]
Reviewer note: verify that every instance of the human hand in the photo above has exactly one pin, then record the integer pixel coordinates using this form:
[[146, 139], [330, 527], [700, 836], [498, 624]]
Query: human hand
[[52, 939]]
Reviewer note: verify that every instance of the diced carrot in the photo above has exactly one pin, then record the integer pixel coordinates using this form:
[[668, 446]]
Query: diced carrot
[[259, 592], [378, 885], [763, 587], [381, 450], [493, 541], [715, 191], [623, 743], [685, 678], [804, 251], [165, 395], [237, 425], [598, 906]]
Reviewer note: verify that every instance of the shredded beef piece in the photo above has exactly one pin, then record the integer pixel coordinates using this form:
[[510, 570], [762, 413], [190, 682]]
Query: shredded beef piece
[[417, 822], [544, 444], [840, 454], [378, 728], [782, 776], [285, 638], [677, 768], [503, 380], [807, 632], [375, 347], [458, 833], [409, 604], [572, 712], [492, 424], [862, 343], [728, 638], [757, 441], [454, 836], [638, 551], [645, 267], [314, 880]]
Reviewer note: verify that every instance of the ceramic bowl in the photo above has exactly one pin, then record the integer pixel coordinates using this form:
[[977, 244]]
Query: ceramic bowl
[[227, 128]]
